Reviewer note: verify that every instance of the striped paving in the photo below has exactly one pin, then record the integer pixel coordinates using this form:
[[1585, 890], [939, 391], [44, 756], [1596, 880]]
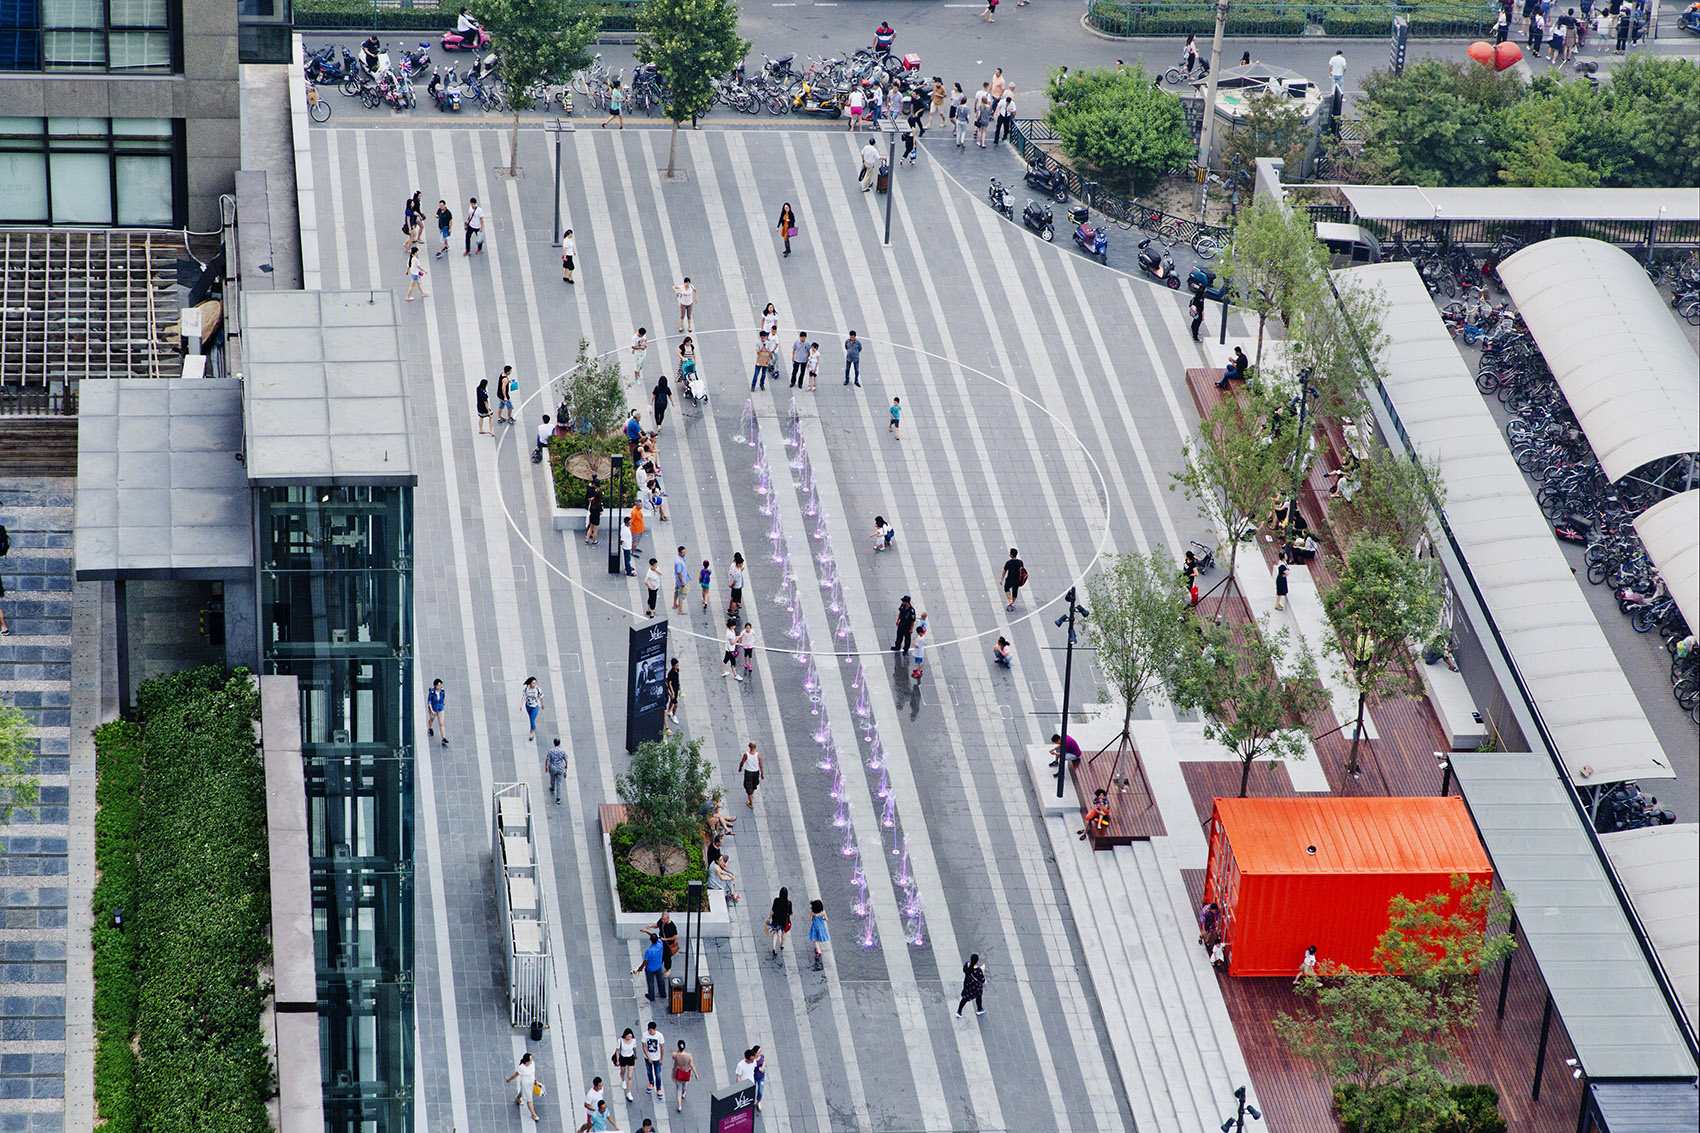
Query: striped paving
[[1041, 412]]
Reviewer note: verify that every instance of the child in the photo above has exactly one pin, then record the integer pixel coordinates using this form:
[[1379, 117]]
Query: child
[[883, 533], [920, 640], [1098, 816], [748, 641], [1000, 652], [658, 499], [729, 659], [705, 578], [896, 418], [814, 365], [817, 928]]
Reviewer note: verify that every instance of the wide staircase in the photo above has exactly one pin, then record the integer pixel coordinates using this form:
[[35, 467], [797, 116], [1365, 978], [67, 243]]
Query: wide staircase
[[35, 675]]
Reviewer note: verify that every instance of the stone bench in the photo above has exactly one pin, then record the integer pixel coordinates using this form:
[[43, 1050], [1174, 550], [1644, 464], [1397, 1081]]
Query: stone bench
[[1452, 703]]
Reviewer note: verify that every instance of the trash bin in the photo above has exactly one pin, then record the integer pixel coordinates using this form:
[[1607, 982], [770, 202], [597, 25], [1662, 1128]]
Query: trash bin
[[883, 183], [707, 986], [676, 995]]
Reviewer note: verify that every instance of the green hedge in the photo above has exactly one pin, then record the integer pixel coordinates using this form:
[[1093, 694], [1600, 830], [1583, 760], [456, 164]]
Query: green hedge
[[346, 15], [1113, 18], [642, 893], [570, 491], [1382, 1111], [181, 842]]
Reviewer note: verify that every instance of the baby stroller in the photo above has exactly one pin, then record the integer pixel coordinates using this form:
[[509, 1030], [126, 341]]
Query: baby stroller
[[693, 383]]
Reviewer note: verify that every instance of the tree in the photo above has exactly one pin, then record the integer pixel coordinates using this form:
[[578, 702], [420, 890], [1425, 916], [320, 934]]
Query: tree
[[1253, 691], [1337, 334], [1391, 495], [1391, 1034], [1138, 628], [1385, 598], [1652, 101], [1276, 263], [1270, 125], [664, 790], [1120, 124], [542, 43], [1436, 123], [1235, 467], [18, 748], [594, 392], [691, 43]]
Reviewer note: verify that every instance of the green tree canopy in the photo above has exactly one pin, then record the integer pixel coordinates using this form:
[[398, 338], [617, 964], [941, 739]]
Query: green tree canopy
[[1276, 263], [1271, 125], [1120, 125], [1138, 625], [664, 789], [1390, 496], [692, 43], [542, 42], [594, 392], [1437, 123]]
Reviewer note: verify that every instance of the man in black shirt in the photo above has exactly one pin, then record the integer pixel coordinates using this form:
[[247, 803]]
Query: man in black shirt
[[1014, 575], [905, 626], [668, 932]]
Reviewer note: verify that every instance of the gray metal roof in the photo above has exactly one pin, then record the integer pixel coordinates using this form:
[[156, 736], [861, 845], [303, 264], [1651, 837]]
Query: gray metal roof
[[1670, 530], [1600, 980], [1412, 202], [160, 491], [1599, 727], [1626, 368], [326, 399], [1659, 866]]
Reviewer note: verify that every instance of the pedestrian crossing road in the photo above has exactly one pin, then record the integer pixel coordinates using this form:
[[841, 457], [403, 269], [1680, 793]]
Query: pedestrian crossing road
[[1042, 409]]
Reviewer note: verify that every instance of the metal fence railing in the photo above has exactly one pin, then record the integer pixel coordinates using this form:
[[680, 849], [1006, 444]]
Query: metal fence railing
[[1341, 18], [618, 16], [37, 401]]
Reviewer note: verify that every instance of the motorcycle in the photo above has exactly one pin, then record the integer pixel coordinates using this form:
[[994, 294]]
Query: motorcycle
[[415, 63], [999, 197], [810, 100], [1624, 807], [1629, 598], [1210, 284], [1038, 217], [444, 90], [1047, 180], [1090, 240], [1160, 267], [323, 69], [473, 39]]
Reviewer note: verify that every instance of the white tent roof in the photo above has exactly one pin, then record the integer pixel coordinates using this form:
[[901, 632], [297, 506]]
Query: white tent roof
[[1624, 365], [1598, 726], [1670, 530], [1413, 202], [1659, 867]]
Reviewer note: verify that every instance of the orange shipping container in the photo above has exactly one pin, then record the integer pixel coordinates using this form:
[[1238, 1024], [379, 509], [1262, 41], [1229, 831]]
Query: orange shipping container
[[1289, 873]]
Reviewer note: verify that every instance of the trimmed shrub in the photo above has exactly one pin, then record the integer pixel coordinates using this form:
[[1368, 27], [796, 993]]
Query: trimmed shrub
[[350, 15], [570, 491], [117, 825], [1383, 1111], [1115, 18], [641, 892]]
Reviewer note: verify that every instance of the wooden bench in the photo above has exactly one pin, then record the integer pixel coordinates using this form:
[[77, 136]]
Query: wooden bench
[[1133, 810]]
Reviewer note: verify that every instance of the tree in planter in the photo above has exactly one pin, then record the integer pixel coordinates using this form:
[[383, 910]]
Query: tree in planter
[[593, 392], [1387, 1037], [1391, 495], [1234, 468], [1254, 693], [691, 42], [542, 43], [18, 788], [1276, 263], [1120, 124], [1138, 628], [1385, 597], [663, 791]]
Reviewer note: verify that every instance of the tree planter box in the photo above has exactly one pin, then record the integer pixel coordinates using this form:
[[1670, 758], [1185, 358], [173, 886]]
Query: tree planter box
[[570, 518], [715, 921]]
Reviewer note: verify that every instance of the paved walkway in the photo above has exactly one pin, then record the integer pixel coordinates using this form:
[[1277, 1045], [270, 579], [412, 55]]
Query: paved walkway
[[1043, 410]]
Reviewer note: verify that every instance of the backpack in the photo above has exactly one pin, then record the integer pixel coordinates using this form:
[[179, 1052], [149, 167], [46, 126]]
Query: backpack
[[1024, 576]]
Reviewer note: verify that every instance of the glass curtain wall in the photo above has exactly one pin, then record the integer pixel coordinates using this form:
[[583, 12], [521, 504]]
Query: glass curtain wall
[[336, 607]]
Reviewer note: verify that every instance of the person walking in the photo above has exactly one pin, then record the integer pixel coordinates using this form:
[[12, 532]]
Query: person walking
[[920, 648], [569, 249], [445, 227], [681, 579], [779, 925], [853, 359], [673, 690], [895, 427], [506, 386], [652, 586], [754, 772], [745, 1071], [764, 362], [813, 366], [1281, 586], [705, 579], [555, 765], [817, 928], [1196, 310], [729, 658], [1337, 70], [687, 294], [684, 1069], [415, 276], [654, 959], [625, 1059], [799, 359], [435, 697], [857, 105], [1014, 578], [533, 696], [596, 1094], [481, 401], [527, 1075], [653, 1047], [990, 15], [640, 353], [973, 986], [787, 225], [409, 228], [870, 165], [1307, 967], [659, 399], [760, 1074], [616, 106], [940, 97], [735, 584], [598, 1119], [474, 227], [905, 625], [747, 642], [983, 105]]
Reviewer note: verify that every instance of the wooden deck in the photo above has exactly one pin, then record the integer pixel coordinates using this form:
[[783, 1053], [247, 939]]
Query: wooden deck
[[1133, 810], [1401, 761]]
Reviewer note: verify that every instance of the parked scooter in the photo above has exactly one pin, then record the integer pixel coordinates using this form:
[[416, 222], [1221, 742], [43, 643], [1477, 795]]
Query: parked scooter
[[812, 99], [999, 197], [415, 63], [1212, 285], [1088, 238], [1160, 267], [1629, 599], [444, 90], [473, 39], [1038, 217], [1623, 807], [1047, 179]]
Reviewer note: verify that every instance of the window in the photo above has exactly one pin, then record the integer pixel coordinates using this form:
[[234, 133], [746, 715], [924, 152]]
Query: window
[[116, 36], [97, 171]]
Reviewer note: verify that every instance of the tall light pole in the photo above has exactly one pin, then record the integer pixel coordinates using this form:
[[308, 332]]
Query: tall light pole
[[889, 125], [558, 127], [1068, 677], [1207, 135]]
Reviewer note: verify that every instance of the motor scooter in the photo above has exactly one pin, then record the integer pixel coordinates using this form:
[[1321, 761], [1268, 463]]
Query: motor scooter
[[1047, 179], [1089, 238], [473, 39], [444, 90], [1160, 267], [415, 63], [999, 198], [811, 99], [1038, 217], [1212, 285]]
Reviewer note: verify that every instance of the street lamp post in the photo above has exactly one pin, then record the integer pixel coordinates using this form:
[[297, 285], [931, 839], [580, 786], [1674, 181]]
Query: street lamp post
[[1236, 1124], [1207, 134], [889, 125], [1068, 677], [616, 465], [558, 127]]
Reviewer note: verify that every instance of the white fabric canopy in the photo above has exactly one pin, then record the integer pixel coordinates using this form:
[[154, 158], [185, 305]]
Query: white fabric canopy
[[1595, 721], [1624, 365], [1660, 870], [1413, 202], [1670, 530]]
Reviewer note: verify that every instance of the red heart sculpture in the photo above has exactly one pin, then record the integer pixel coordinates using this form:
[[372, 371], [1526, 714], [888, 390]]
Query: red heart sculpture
[[1506, 55], [1482, 52]]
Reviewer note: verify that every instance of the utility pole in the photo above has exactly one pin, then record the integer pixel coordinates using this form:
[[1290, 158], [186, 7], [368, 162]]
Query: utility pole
[[1207, 134], [1068, 677], [890, 127]]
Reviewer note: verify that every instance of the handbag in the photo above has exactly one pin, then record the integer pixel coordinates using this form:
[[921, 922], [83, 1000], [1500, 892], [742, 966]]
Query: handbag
[[537, 1089], [790, 232]]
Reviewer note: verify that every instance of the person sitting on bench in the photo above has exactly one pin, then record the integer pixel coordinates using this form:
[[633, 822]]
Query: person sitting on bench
[[1070, 748], [1098, 816]]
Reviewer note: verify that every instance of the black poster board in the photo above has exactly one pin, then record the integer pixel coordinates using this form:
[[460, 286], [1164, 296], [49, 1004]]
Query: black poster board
[[646, 684], [733, 1110]]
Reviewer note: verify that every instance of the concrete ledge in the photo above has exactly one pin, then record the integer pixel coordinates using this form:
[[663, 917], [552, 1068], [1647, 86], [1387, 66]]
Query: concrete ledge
[[1044, 779], [570, 518], [1452, 703], [715, 922]]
